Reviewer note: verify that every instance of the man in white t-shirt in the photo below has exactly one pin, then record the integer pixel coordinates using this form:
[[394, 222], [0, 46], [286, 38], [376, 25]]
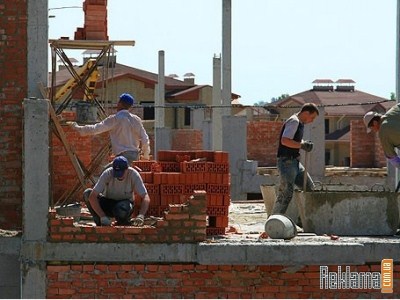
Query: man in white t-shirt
[[113, 195], [126, 130]]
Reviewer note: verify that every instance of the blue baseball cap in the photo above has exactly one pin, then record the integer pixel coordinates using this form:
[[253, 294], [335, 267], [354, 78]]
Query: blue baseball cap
[[120, 164], [127, 98]]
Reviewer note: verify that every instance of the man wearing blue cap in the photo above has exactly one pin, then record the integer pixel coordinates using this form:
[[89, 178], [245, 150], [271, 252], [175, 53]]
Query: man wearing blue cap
[[126, 131], [113, 195]]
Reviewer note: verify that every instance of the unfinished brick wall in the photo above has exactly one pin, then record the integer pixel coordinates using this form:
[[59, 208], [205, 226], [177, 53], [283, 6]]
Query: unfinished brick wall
[[365, 149], [199, 281], [181, 223], [13, 89], [174, 177], [263, 141], [95, 26]]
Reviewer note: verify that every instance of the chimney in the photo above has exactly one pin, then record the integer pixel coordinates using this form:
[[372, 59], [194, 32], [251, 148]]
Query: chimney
[[189, 78], [323, 85], [345, 85], [61, 65]]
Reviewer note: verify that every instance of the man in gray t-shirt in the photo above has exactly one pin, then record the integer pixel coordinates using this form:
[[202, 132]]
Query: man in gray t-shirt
[[113, 195]]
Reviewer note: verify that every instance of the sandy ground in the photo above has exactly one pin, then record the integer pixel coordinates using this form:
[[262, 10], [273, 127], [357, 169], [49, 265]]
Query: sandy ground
[[248, 217]]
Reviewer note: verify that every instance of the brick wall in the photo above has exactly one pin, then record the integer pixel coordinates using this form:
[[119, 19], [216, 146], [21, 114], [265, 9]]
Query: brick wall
[[380, 158], [13, 89], [365, 149], [181, 223], [263, 141], [64, 176], [199, 281], [95, 27], [187, 139]]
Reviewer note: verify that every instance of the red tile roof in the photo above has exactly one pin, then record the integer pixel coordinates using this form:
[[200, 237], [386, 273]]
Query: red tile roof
[[351, 103]]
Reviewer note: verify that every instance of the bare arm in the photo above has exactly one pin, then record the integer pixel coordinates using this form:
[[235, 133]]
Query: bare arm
[[290, 143], [145, 205], [94, 202]]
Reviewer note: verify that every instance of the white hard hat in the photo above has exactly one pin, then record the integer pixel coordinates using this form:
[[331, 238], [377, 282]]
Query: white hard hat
[[368, 117]]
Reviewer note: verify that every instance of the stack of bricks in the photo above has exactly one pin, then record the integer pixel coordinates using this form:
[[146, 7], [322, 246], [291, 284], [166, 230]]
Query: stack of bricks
[[176, 174], [181, 223], [95, 27]]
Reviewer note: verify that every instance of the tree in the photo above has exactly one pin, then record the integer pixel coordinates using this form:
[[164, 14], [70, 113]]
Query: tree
[[283, 96], [392, 96], [273, 99]]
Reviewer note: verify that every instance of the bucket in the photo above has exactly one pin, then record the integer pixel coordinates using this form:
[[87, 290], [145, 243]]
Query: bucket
[[280, 227], [86, 112]]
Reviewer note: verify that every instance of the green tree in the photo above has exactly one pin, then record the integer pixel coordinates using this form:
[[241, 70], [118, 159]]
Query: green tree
[[392, 96]]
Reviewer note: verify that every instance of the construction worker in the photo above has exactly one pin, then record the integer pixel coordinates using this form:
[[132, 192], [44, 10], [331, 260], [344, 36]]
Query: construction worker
[[387, 126], [291, 171], [113, 195], [126, 131]]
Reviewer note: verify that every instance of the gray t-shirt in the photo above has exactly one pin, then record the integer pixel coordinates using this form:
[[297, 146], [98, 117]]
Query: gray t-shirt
[[389, 132], [114, 189]]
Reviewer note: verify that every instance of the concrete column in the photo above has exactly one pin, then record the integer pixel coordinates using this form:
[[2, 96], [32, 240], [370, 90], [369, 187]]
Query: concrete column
[[216, 103], [234, 140], [36, 193], [37, 45], [315, 132], [160, 105], [226, 56]]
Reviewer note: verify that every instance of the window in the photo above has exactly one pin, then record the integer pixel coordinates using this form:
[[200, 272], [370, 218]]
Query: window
[[148, 110], [187, 116], [326, 126]]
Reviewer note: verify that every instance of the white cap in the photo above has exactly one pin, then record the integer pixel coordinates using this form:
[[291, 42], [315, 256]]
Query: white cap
[[368, 117]]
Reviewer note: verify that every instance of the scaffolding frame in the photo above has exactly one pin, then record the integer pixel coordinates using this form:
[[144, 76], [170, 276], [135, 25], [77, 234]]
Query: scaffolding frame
[[58, 48]]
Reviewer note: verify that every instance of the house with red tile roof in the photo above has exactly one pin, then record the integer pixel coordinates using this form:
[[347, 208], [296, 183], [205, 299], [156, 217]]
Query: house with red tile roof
[[180, 95]]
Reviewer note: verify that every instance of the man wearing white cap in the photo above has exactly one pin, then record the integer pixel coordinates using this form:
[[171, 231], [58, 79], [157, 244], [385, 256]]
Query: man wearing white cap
[[126, 130], [388, 128]]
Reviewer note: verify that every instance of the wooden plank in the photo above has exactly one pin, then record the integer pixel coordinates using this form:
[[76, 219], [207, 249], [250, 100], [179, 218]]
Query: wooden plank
[[88, 44]]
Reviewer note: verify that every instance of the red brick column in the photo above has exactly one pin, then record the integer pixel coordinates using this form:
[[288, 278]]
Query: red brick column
[[365, 149], [13, 89], [263, 141]]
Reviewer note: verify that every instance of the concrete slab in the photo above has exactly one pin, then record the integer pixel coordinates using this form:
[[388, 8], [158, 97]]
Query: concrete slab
[[349, 213]]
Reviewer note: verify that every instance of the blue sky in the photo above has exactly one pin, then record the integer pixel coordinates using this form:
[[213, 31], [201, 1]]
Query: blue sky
[[278, 46]]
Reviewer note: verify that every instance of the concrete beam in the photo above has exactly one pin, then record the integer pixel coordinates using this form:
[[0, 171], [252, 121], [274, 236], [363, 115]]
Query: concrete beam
[[128, 252], [349, 251], [281, 253]]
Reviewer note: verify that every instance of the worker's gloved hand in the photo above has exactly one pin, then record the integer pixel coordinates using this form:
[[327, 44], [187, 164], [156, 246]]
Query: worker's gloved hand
[[307, 146], [138, 221], [395, 161], [105, 221]]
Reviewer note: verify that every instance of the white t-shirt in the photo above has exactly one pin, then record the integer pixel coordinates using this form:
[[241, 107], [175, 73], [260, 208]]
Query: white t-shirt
[[126, 132]]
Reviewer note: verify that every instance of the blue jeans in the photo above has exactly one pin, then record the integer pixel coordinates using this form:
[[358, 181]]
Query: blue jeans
[[291, 173], [121, 210]]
